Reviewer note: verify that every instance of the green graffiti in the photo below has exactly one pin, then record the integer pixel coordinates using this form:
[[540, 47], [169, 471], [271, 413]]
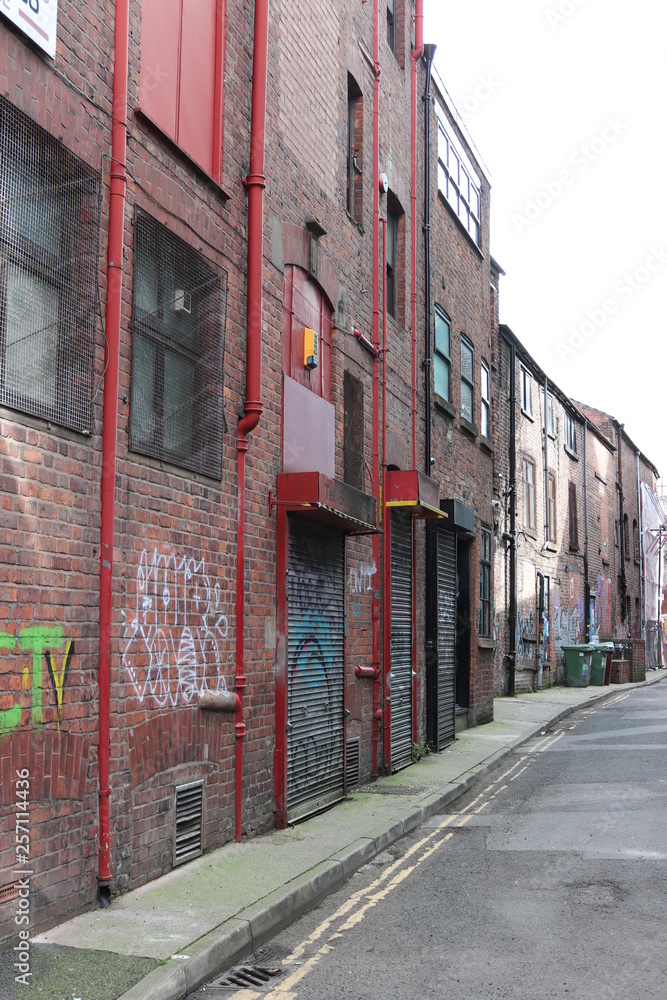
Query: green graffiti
[[10, 717], [41, 641]]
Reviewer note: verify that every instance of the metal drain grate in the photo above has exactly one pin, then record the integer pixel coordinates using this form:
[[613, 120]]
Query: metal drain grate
[[246, 977]]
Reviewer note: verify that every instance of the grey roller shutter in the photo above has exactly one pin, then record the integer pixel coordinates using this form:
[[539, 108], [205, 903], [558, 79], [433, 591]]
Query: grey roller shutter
[[446, 637], [315, 681], [401, 639]]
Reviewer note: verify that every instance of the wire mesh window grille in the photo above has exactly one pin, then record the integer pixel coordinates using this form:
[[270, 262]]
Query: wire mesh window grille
[[180, 304], [49, 239], [353, 417]]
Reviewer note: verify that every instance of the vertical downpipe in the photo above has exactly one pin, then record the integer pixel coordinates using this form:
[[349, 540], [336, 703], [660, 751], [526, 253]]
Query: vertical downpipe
[[642, 581], [587, 586], [254, 182], [512, 489], [109, 427], [379, 498]]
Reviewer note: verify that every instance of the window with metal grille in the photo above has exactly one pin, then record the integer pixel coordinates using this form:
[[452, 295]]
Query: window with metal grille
[[353, 430], [485, 584], [467, 369], [552, 507], [177, 351], [188, 822], [626, 536], [635, 540], [49, 236], [526, 392], [442, 360]]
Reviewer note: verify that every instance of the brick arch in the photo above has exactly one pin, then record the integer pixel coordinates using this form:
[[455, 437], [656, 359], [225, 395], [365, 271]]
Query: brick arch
[[295, 251], [57, 762], [171, 738]]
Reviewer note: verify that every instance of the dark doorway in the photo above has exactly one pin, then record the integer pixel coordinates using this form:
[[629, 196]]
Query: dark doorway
[[463, 624]]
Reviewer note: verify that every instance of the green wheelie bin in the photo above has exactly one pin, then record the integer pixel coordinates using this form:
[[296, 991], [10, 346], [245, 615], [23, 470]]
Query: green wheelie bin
[[599, 652], [577, 665]]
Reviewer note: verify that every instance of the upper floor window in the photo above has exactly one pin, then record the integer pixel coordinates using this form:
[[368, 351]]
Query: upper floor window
[[391, 25], [467, 385], [442, 361], [355, 138], [485, 400], [457, 180], [177, 351], [49, 235], [528, 471], [574, 526], [353, 431], [551, 427], [182, 75], [551, 486], [395, 260], [635, 540], [570, 432], [626, 536], [485, 584], [526, 392]]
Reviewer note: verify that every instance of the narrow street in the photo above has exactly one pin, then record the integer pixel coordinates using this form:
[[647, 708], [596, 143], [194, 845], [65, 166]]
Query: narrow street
[[550, 880]]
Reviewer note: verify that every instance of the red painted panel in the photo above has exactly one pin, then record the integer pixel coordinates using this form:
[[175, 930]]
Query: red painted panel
[[309, 308], [197, 92], [158, 85]]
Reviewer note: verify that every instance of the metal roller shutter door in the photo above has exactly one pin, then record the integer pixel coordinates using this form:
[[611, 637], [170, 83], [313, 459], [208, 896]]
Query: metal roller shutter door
[[401, 639], [315, 682], [446, 637]]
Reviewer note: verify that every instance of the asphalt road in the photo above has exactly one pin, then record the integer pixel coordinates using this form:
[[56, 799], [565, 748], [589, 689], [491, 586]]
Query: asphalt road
[[550, 880]]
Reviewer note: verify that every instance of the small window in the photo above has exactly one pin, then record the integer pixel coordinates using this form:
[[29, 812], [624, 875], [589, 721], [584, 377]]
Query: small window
[[528, 470], [467, 386], [391, 25], [485, 584], [616, 533], [442, 362], [635, 540], [182, 75], [353, 431], [177, 351], [626, 536], [49, 235], [355, 135], [570, 432], [526, 392], [551, 429], [574, 528], [395, 261], [485, 398], [552, 507]]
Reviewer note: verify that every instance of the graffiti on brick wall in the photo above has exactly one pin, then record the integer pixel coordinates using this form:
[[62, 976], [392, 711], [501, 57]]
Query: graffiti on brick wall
[[604, 592], [567, 622], [360, 579], [526, 646], [41, 644], [173, 640]]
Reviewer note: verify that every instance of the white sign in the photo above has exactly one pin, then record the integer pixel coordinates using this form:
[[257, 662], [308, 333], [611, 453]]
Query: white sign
[[36, 19]]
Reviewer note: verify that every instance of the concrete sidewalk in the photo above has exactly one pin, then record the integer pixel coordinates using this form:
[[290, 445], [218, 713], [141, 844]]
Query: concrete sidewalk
[[170, 936]]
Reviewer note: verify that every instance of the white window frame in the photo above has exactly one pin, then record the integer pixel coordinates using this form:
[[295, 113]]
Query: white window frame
[[485, 400], [458, 181]]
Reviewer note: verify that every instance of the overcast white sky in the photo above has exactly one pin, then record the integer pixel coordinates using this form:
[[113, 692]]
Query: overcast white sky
[[566, 102]]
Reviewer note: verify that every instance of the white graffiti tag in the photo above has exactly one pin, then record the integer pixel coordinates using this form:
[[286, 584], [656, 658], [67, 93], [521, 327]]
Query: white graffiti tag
[[174, 639], [360, 579]]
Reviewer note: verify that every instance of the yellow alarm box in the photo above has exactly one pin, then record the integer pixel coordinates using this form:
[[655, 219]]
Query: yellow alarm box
[[310, 348]]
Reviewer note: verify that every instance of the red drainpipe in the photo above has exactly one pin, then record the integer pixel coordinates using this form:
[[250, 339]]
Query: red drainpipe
[[253, 406], [109, 426], [375, 611], [417, 53], [386, 526]]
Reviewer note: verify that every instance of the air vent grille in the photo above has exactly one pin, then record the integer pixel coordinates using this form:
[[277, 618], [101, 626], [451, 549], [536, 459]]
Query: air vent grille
[[189, 822], [352, 769]]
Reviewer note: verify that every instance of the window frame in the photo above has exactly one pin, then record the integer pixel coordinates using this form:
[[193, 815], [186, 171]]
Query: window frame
[[570, 432], [469, 383], [526, 392], [551, 503], [635, 540], [529, 511], [458, 182], [573, 516], [353, 430], [439, 355], [485, 562], [391, 281], [391, 25], [551, 422], [626, 536], [485, 400], [355, 131]]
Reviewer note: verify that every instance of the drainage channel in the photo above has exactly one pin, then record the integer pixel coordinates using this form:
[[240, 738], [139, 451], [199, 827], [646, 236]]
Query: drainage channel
[[245, 977]]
